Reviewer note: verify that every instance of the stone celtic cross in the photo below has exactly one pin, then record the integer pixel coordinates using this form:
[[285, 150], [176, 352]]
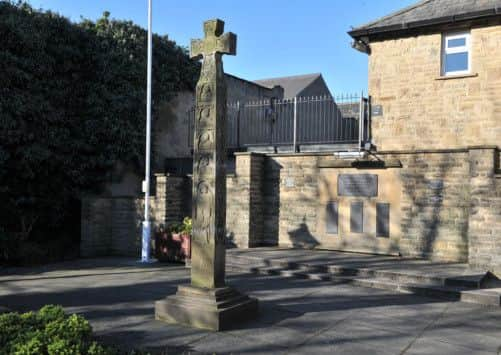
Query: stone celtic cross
[[208, 303], [209, 176]]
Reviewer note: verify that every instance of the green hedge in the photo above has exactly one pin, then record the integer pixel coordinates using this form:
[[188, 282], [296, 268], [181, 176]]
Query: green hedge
[[72, 104], [48, 331]]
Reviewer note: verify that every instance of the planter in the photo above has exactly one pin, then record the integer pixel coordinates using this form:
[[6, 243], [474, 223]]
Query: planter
[[165, 248], [172, 246], [183, 240]]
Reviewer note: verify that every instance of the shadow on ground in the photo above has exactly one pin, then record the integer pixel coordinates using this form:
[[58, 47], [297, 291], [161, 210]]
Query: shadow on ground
[[294, 313]]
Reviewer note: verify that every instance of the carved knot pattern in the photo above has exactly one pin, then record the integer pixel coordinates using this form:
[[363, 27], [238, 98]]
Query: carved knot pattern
[[209, 149]]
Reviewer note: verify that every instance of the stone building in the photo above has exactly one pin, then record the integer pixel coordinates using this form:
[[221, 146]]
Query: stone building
[[429, 183], [435, 79], [298, 85]]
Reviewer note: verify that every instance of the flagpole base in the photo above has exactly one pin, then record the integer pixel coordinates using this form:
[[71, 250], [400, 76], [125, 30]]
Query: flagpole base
[[146, 243]]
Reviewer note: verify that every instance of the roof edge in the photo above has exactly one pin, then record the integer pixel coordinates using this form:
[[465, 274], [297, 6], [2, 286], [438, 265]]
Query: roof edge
[[248, 81], [392, 14], [315, 75], [493, 12]]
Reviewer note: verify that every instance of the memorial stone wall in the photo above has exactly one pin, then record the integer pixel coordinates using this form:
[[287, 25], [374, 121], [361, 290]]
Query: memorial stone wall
[[438, 204]]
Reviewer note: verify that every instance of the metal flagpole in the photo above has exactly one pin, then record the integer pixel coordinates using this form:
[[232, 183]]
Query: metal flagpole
[[146, 235]]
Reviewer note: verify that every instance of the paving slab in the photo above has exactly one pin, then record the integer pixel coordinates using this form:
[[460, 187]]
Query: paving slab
[[296, 317], [426, 346]]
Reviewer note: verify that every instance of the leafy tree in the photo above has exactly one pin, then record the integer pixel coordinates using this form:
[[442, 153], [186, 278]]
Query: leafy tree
[[72, 104]]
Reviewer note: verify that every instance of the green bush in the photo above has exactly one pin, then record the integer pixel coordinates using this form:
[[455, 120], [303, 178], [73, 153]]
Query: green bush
[[48, 331], [187, 226], [72, 105]]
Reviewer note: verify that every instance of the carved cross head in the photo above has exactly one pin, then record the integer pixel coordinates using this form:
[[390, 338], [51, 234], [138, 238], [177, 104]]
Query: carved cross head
[[215, 41]]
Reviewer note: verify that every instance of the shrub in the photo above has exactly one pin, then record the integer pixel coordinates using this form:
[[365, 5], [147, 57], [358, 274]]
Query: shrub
[[186, 226], [48, 331], [72, 105]]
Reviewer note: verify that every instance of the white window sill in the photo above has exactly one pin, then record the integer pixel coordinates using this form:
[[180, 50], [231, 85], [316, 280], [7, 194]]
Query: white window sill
[[457, 76]]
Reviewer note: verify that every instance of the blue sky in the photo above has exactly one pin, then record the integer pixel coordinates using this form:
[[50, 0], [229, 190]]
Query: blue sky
[[275, 37]]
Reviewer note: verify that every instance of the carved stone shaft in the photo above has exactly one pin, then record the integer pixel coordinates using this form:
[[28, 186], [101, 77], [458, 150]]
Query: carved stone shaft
[[209, 176], [207, 303]]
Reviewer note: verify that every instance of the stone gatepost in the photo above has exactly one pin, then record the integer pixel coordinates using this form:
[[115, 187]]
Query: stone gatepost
[[170, 199], [246, 223], [484, 224], [208, 303]]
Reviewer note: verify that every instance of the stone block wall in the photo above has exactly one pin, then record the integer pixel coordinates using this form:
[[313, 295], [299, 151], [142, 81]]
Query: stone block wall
[[243, 90], [112, 225], [435, 196], [172, 198], [126, 217], [444, 205], [485, 213], [244, 217], [434, 204], [291, 200], [96, 227]]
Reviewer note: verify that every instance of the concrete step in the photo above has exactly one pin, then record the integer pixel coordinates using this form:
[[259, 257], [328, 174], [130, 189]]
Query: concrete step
[[462, 289], [467, 281]]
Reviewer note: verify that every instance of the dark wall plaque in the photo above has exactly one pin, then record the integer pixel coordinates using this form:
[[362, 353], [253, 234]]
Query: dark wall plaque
[[383, 220], [357, 217], [377, 110], [436, 184], [331, 218], [364, 185]]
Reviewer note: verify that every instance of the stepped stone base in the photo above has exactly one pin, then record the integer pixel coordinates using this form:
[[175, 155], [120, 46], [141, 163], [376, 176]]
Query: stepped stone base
[[213, 309]]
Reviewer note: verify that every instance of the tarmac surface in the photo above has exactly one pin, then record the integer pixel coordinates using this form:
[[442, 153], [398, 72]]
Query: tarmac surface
[[296, 316]]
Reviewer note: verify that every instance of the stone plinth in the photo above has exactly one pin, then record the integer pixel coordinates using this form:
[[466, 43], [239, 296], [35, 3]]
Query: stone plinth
[[214, 309]]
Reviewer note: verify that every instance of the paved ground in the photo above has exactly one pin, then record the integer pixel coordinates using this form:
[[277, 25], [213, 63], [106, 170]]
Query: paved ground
[[297, 316]]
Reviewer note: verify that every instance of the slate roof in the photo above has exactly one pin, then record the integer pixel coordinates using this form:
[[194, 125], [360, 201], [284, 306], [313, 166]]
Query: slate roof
[[292, 85], [428, 13]]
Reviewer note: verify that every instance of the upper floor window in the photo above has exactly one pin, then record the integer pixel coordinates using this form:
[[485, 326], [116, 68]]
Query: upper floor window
[[456, 58]]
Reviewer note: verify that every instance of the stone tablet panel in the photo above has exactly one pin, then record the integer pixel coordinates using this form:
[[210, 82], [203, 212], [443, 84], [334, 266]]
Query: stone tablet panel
[[360, 185], [357, 217], [331, 217], [383, 220]]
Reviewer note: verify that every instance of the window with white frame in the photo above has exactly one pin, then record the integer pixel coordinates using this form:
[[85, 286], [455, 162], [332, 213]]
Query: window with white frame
[[456, 53]]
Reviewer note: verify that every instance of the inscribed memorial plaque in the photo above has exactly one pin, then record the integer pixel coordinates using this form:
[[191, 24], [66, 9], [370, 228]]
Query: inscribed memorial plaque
[[383, 220], [361, 185], [331, 218], [357, 217]]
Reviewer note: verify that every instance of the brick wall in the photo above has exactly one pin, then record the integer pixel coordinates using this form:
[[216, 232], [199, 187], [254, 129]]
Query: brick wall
[[423, 111]]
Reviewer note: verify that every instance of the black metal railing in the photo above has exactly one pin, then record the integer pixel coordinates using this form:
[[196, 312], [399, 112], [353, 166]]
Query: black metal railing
[[295, 122]]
